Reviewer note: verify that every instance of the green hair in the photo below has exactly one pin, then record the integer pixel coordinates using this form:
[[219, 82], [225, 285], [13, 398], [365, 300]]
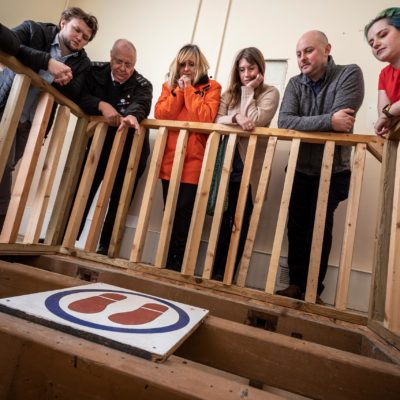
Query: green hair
[[392, 15]]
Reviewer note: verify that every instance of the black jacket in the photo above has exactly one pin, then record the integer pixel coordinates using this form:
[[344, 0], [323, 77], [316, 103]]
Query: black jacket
[[9, 41], [34, 52], [135, 99], [137, 92]]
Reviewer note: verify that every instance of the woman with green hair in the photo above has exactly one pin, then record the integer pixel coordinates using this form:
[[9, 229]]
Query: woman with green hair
[[383, 35]]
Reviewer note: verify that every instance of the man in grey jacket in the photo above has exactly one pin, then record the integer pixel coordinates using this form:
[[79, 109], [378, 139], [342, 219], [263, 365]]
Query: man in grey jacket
[[323, 97]]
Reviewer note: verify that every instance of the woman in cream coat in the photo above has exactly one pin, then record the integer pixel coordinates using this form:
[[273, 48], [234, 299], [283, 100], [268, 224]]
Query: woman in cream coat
[[249, 103]]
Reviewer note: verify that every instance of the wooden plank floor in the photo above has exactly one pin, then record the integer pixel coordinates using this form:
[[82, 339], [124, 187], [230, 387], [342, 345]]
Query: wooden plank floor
[[23, 279], [257, 354]]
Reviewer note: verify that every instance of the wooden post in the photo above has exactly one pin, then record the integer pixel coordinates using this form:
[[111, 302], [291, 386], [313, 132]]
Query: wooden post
[[319, 223], [106, 188], [282, 217], [257, 209], [148, 196], [85, 185], [47, 177], [26, 170], [382, 235], [69, 181], [392, 304], [126, 192], [11, 116], [219, 206], [346, 257], [240, 208], [172, 198], [200, 205]]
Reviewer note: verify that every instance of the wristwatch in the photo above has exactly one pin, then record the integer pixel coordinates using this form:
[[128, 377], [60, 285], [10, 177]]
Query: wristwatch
[[386, 110]]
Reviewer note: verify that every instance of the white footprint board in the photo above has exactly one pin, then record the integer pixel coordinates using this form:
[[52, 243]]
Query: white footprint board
[[134, 322]]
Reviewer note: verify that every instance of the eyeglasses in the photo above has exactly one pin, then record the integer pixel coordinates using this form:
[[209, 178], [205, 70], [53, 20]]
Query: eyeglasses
[[121, 63]]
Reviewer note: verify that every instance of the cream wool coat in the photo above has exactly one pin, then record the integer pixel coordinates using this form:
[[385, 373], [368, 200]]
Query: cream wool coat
[[261, 110]]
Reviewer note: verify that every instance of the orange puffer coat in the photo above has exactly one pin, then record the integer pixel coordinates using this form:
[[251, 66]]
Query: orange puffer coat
[[197, 103]]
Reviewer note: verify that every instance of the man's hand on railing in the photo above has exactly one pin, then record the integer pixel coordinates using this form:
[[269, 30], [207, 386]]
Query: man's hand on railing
[[129, 122], [343, 120], [112, 116], [61, 72]]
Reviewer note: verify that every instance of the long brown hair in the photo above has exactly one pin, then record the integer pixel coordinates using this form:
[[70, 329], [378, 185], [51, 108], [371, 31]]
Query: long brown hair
[[253, 56]]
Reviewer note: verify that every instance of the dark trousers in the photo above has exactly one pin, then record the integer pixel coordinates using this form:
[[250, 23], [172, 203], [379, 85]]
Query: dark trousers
[[300, 225], [108, 225], [225, 233], [180, 228]]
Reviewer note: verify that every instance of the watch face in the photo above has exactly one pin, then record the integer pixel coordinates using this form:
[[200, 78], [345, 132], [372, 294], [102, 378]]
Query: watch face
[[386, 110]]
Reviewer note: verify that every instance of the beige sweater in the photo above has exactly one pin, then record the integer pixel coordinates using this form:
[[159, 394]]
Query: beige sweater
[[261, 110]]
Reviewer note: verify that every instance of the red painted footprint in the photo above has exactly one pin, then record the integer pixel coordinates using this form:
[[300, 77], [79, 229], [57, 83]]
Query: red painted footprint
[[95, 304], [143, 315]]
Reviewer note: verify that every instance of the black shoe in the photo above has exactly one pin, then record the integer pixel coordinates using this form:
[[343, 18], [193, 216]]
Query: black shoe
[[218, 277], [103, 250], [174, 263], [292, 291]]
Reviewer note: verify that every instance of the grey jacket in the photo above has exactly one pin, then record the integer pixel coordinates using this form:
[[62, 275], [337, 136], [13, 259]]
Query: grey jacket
[[302, 110]]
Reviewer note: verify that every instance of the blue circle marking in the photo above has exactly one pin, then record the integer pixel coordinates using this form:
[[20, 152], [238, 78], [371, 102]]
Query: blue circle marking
[[52, 303]]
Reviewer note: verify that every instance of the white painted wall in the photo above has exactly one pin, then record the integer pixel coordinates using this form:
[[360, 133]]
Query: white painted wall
[[222, 27]]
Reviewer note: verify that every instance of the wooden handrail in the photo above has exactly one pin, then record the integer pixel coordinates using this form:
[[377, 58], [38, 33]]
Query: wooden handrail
[[343, 139], [19, 68]]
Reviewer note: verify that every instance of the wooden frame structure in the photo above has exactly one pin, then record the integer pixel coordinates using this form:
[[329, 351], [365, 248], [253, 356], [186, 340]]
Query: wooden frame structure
[[251, 334]]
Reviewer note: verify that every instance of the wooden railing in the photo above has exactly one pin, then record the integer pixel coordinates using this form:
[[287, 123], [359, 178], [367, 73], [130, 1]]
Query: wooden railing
[[71, 198]]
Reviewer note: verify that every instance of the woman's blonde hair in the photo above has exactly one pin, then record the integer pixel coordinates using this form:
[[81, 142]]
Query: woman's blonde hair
[[253, 56], [186, 52]]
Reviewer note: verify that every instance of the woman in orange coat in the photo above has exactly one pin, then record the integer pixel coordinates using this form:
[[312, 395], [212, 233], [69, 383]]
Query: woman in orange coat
[[187, 95]]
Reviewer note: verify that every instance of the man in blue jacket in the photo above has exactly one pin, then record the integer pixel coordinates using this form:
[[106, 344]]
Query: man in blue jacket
[[123, 96], [57, 54], [324, 97]]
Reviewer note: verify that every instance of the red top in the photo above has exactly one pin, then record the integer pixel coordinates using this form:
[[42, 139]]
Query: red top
[[389, 81], [195, 104]]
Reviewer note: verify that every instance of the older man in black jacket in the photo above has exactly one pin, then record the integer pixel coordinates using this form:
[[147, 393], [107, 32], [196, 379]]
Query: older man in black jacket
[[56, 53], [123, 96]]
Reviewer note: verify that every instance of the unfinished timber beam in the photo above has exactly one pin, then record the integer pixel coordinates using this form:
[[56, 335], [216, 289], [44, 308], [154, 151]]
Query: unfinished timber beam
[[26, 171], [17, 279], [381, 251], [10, 118], [290, 363], [126, 192], [71, 367], [106, 189], [200, 205], [276, 360], [69, 180]]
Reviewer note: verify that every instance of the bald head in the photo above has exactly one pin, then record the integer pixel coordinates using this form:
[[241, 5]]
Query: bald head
[[123, 60], [124, 45], [315, 37], [312, 52]]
